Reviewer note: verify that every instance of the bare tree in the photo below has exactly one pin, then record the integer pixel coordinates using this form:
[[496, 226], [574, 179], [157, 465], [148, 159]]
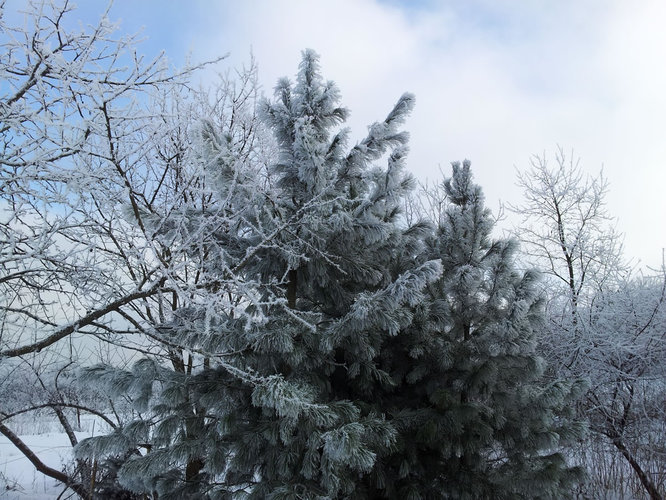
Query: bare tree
[[96, 154], [566, 228], [624, 349], [604, 325]]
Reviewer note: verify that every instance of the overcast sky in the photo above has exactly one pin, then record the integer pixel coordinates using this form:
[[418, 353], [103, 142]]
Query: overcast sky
[[495, 81]]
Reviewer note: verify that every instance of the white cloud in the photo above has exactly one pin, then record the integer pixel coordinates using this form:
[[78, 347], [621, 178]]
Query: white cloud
[[496, 81]]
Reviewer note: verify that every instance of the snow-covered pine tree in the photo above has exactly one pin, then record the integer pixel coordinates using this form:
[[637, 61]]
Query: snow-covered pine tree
[[322, 275], [474, 420]]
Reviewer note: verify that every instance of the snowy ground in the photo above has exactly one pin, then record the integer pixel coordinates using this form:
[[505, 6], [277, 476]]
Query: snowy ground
[[18, 477]]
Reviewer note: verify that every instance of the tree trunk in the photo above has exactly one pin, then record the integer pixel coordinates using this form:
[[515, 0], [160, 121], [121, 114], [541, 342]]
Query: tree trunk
[[642, 475], [83, 467], [291, 288], [193, 468]]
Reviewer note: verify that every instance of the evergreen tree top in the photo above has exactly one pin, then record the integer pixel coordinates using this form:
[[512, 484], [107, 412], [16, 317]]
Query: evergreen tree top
[[460, 188]]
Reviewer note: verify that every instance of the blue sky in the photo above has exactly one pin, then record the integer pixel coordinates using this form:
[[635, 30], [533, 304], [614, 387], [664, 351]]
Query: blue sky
[[495, 81]]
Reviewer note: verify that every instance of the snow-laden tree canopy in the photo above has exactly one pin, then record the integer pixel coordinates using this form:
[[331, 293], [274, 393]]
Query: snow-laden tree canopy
[[339, 352], [243, 302]]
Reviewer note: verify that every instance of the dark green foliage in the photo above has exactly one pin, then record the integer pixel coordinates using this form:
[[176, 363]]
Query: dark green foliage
[[354, 357], [473, 420]]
